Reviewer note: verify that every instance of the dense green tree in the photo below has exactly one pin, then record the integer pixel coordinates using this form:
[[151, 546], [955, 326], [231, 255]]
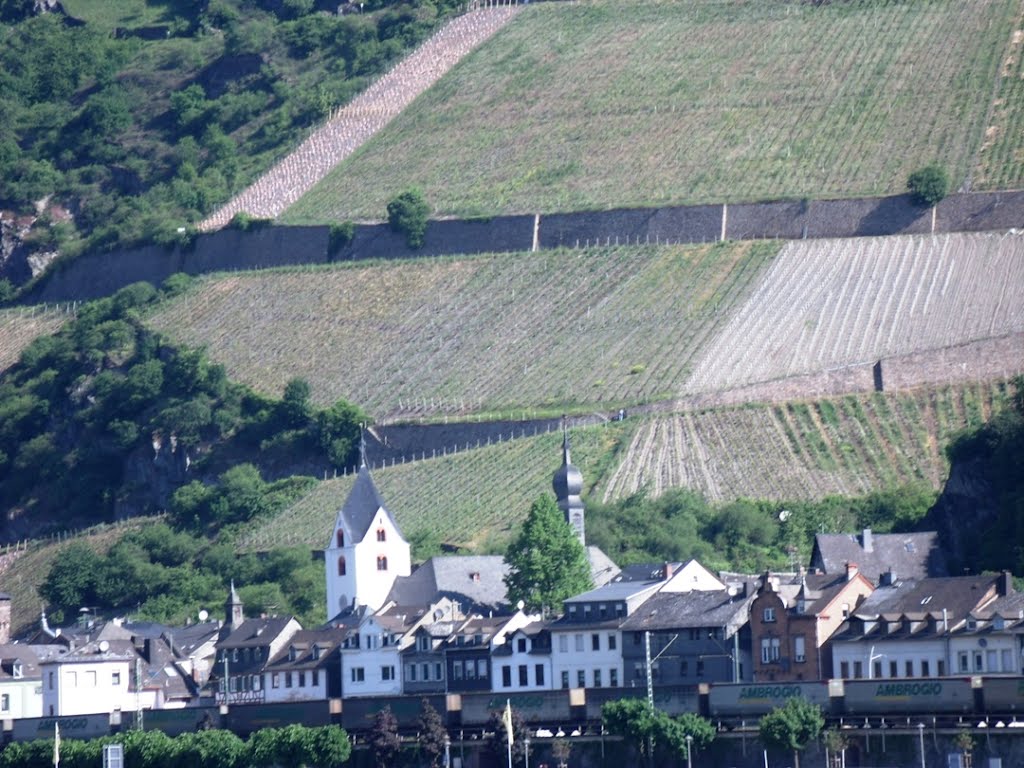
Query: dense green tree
[[929, 185], [338, 432], [71, 581], [496, 744], [547, 563], [384, 741], [641, 725], [792, 727], [295, 408], [431, 735], [407, 215]]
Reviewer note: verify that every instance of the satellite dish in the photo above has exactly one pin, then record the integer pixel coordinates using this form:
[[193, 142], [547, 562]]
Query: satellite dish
[[520, 605], [204, 615], [104, 646], [784, 515]]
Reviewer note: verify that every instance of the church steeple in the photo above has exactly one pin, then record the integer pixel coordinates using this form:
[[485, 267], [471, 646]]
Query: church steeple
[[233, 613], [568, 485]]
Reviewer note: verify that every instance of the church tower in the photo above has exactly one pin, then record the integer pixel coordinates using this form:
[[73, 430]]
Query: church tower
[[234, 615], [367, 550], [568, 485]]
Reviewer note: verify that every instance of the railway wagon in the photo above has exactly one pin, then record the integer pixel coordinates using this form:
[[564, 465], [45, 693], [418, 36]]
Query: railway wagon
[[244, 719], [357, 714], [535, 707], [1003, 695], [175, 722], [908, 696], [673, 700], [73, 727], [749, 700]]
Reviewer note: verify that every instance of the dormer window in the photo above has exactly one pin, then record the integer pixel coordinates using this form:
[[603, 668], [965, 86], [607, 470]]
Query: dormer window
[[999, 623], [341, 538], [382, 563], [16, 670], [972, 624], [316, 652], [474, 576], [293, 653], [381, 535]]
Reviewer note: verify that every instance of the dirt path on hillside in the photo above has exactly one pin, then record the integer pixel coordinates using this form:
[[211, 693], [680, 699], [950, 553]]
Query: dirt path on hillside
[[353, 125]]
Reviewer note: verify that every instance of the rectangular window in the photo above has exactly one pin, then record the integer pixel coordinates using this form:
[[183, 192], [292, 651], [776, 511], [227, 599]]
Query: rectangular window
[[256, 684], [769, 615], [5, 702], [410, 672], [908, 668], [437, 671], [595, 642], [613, 677], [1007, 656], [287, 679], [316, 677], [964, 661], [481, 669], [612, 642], [638, 637], [387, 673], [586, 613], [991, 661], [770, 647], [506, 675], [799, 649], [456, 670], [581, 678], [579, 643], [422, 643], [684, 668], [925, 668], [940, 667], [893, 669], [603, 610], [302, 679], [597, 678], [425, 669], [638, 669], [563, 643], [844, 670], [538, 674], [565, 679], [979, 662], [358, 674], [700, 667], [51, 680], [90, 678], [275, 680], [524, 672], [521, 645], [470, 669], [115, 678], [858, 670]]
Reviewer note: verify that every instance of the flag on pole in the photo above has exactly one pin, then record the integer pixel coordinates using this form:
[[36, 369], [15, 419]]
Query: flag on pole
[[56, 744], [506, 718]]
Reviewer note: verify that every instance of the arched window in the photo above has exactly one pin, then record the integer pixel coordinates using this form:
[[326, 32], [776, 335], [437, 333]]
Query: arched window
[[381, 536], [341, 566], [341, 538], [382, 563]]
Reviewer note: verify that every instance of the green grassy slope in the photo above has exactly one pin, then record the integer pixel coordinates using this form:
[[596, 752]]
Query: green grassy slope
[[799, 451], [599, 104], [550, 330]]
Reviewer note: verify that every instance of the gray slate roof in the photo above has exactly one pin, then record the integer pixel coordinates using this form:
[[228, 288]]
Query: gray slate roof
[[908, 555], [453, 577], [361, 506], [254, 633], [680, 610]]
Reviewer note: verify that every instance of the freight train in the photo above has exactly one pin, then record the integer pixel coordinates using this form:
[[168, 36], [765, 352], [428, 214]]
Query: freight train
[[728, 705]]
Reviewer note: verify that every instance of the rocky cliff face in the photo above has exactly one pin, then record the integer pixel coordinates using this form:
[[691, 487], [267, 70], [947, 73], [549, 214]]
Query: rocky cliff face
[[21, 259], [964, 510]]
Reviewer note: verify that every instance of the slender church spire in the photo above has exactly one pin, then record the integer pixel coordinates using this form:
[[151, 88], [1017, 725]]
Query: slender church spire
[[568, 485]]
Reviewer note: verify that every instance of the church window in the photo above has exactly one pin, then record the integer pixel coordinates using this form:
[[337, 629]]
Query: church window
[[341, 566], [341, 538], [381, 535], [382, 563]]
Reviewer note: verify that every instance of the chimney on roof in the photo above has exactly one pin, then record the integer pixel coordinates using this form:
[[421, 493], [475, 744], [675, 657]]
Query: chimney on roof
[[887, 579], [866, 541], [667, 571], [851, 570], [1005, 584]]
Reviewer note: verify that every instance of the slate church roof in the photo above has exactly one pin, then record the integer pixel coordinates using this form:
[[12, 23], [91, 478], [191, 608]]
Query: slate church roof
[[361, 506]]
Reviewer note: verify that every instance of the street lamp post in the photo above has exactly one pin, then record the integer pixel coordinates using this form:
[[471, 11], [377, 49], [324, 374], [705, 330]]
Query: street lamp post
[[920, 733], [526, 756], [689, 751], [447, 751]]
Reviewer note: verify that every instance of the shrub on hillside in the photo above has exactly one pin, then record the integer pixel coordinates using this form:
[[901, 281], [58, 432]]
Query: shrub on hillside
[[929, 185], [407, 215]]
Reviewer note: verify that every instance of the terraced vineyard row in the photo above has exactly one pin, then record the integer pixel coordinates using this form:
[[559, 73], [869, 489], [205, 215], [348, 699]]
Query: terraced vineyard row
[[1001, 159], [805, 450], [473, 499], [830, 303], [617, 325], [20, 327], [599, 104]]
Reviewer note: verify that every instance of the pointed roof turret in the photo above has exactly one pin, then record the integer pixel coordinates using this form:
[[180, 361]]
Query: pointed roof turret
[[234, 614], [568, 486], [361, 506]]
